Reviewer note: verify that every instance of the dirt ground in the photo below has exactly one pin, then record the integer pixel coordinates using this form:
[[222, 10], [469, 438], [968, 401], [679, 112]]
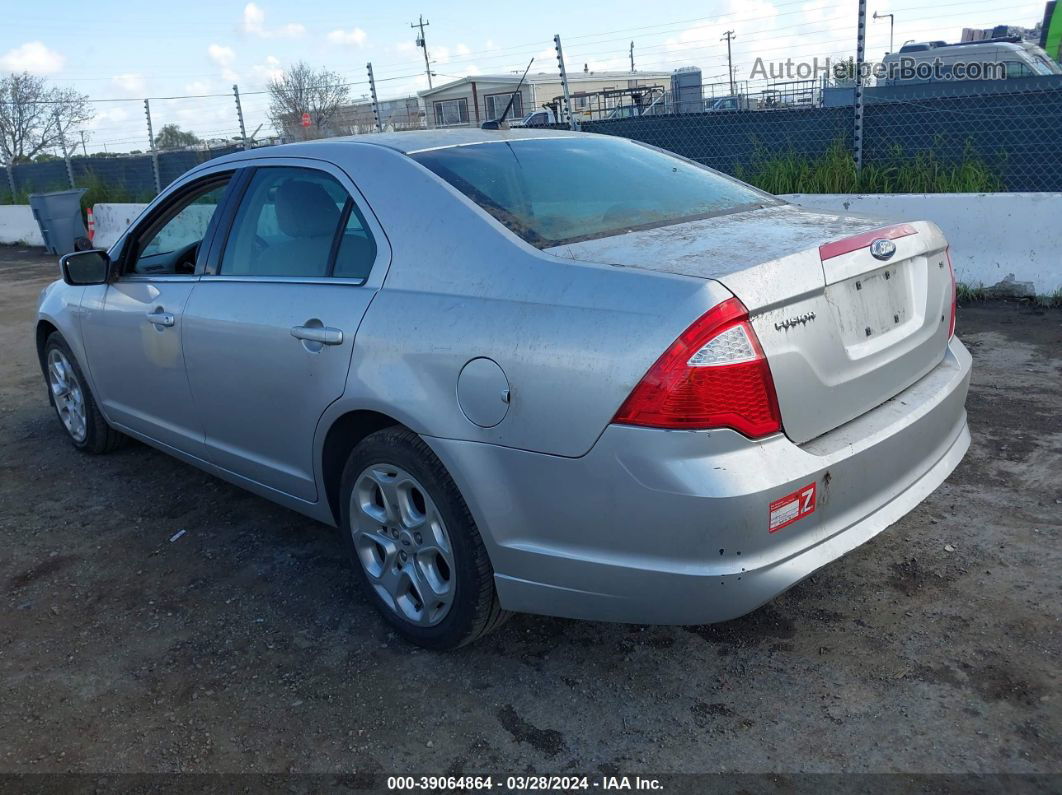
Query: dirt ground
[[243, 645]]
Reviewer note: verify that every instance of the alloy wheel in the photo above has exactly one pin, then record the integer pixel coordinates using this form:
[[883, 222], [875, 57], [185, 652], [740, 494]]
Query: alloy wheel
[[402, 544], [68, 395]]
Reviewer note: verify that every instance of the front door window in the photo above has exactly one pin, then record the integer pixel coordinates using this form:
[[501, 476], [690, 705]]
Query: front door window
[[170, 244]]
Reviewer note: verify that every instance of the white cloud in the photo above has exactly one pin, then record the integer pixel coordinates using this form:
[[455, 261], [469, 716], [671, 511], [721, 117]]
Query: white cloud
[[254, 23], [130, 83], [209, 121], [355, 36], [33, 57], [198, 87], [462, 50], [253, 18], [109, 116], [269, 70], [223, 57], [405, 47]]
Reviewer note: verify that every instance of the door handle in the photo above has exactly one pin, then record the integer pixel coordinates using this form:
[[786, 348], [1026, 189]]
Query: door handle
[[323, 335], [159, 318]]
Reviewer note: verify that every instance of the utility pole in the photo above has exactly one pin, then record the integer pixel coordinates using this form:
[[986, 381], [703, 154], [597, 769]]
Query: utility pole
[[729, 36], [239, 115], [632, 57], [66, 153], [154, 151], [892, 24], [375, 104], [857, 121], [84, 148], [423, 44], [564, 83]]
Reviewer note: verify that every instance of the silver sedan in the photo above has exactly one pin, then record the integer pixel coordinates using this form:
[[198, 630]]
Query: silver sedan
[[524, 370]]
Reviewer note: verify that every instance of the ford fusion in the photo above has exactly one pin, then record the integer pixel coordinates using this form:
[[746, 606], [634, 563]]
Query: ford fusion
[[524, 371]]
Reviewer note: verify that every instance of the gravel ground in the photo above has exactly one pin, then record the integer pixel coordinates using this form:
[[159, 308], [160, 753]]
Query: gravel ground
[[243, 645]]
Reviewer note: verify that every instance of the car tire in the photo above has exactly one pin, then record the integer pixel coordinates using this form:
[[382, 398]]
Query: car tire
[[412, 540], [74, 404]]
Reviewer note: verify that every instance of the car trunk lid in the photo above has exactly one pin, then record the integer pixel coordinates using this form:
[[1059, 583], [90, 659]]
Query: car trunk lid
[[842, 330]]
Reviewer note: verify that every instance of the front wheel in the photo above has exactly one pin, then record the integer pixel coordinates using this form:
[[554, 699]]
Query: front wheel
[[69, 394], [414, 543]]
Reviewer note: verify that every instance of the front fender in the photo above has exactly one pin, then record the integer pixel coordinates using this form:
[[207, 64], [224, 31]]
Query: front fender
[[60, 307]]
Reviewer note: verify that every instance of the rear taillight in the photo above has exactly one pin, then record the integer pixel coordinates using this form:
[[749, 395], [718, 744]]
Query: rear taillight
[[713, 376], [954, 293]]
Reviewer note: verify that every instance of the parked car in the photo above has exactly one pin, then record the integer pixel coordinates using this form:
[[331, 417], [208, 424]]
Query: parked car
[[543, 117], [734, 102], [530, 371]]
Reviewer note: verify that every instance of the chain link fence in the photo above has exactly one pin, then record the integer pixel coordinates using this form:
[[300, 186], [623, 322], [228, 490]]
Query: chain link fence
[[1003, 135], [786, 137]]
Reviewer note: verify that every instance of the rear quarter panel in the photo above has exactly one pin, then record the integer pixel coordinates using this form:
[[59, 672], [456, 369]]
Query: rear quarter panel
[[572, 338]]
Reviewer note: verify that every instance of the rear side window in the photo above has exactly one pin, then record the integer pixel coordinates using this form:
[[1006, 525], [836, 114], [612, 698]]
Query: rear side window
[[357, 249], [292, 222]]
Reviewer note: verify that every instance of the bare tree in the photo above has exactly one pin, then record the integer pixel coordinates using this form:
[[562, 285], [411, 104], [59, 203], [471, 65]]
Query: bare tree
[[35, 117], [301, 89]]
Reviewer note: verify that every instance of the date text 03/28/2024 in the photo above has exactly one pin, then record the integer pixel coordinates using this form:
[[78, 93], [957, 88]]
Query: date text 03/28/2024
[[523, 783]]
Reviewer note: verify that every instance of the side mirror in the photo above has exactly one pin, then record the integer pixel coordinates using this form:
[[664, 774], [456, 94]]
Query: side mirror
[[82, 268]]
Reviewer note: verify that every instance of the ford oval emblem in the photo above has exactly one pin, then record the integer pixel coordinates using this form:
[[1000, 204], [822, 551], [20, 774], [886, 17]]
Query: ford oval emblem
[[882, 248]]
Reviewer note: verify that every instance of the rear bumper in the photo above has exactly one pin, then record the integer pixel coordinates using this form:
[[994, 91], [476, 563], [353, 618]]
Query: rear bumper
[[672, 527]]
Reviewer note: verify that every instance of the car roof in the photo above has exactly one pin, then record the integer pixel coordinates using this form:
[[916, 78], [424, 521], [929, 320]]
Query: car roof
[[419, 140], [408, 142]]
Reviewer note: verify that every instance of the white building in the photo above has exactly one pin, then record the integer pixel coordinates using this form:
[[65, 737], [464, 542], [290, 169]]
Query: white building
[[470, 101]]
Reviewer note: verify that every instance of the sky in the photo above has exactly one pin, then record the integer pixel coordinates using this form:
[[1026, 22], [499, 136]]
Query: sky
[[123, 51]]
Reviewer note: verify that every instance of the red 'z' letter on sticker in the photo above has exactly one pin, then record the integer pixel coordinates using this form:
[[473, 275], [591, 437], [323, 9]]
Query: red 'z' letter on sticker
[[791, 507]]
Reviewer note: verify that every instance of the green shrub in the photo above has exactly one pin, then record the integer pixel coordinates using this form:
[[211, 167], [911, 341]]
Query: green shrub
[[835, 172], [99, 191]]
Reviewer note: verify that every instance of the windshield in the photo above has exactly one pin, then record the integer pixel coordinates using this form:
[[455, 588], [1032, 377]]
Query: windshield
[[555, 191], [1045, 66]]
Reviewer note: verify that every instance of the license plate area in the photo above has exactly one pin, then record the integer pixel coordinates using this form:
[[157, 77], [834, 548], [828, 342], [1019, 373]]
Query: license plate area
[[875, 305]]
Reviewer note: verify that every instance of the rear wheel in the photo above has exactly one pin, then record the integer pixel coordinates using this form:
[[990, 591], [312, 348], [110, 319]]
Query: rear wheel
[[414, 543], [69, 393]]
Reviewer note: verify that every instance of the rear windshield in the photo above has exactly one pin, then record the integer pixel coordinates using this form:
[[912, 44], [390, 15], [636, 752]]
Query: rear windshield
[[562, 190]]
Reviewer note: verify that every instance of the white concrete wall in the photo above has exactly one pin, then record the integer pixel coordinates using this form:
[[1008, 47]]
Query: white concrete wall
[[1008, 241], [112, 220], [17, 225]]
